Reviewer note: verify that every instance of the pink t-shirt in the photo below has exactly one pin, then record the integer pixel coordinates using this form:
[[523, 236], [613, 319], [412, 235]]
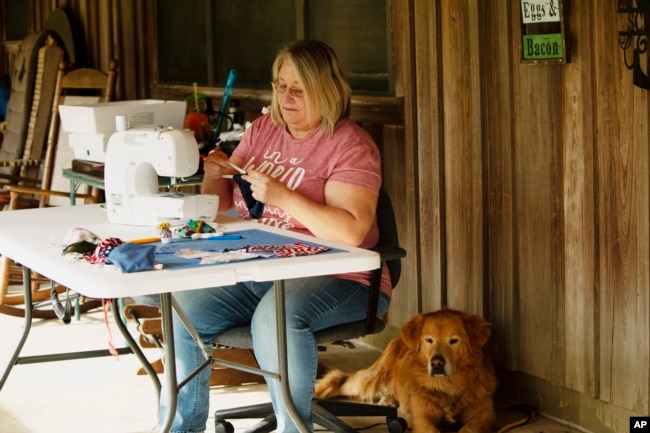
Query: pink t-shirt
[[305, 165]]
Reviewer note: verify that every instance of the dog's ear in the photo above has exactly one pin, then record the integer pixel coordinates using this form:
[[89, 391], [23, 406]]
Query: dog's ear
[[411, 331], [478, 331]]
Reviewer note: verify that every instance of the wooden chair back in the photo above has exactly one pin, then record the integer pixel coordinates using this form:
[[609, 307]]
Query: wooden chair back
[[79, 81], [29, 111], [92, 79]]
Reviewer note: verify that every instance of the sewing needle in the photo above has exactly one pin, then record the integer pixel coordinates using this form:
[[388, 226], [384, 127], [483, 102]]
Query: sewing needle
[[239, 169]]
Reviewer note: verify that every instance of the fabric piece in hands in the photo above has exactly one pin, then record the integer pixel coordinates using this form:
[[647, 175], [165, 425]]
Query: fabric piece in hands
[[255, 207], [132, 257]]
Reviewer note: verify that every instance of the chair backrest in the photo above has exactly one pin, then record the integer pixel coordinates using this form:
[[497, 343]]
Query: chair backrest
[[27, 158], [390, 253], [29, 107], [85, 81], [388, 245]]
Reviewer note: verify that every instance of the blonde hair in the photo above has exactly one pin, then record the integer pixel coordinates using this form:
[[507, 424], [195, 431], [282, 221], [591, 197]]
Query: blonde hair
[[323, 83]]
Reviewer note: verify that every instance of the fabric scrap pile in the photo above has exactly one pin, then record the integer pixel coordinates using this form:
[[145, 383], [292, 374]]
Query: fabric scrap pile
[[80, 244]]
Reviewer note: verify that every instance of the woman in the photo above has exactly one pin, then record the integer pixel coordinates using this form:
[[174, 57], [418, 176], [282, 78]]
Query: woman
[[316, 172]]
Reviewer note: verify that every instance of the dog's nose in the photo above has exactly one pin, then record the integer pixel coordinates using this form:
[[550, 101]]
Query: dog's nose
[[437, 365]]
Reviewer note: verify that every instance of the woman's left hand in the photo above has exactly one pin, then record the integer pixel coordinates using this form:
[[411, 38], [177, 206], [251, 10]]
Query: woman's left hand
[[266, 189]]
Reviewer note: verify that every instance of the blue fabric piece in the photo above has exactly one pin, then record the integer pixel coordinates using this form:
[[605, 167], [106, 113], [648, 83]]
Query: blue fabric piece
[[132, 257]]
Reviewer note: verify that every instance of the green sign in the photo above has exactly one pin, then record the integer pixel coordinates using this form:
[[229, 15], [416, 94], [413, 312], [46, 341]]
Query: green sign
[[541, 47]]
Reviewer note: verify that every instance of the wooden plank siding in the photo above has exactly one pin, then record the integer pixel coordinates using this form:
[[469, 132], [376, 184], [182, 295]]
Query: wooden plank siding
[[522, 191], [579, 204], [463, 174], [400, 172], [622, 221], [427, 130], [498, 118], [537, 205]]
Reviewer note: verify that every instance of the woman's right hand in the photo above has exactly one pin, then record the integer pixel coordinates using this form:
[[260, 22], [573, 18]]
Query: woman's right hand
[[215, 165]]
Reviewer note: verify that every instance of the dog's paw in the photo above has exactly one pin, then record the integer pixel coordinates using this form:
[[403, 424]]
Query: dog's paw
[[384, 398], [330, 384]]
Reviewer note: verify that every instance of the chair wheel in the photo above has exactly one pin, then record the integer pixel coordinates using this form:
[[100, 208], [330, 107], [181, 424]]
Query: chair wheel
[[222, 426], [396, 425]]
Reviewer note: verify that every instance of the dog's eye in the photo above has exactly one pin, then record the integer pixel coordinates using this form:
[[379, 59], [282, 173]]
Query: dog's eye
[[428, 340], [453, 341]]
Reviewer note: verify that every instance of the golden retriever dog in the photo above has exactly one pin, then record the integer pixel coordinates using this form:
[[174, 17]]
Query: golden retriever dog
[[438, 373]]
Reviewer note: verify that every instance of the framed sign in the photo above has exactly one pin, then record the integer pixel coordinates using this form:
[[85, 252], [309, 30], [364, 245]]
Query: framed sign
[[542, 32]]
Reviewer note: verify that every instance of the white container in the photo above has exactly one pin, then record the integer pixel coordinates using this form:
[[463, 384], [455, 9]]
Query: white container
[[90, 126]]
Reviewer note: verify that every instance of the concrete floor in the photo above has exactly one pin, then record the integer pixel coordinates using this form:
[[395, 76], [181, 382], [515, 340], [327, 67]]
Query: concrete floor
[[105, 395]]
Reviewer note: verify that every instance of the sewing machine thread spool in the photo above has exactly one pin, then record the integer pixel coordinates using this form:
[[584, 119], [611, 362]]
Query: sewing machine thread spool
[[120, 123]]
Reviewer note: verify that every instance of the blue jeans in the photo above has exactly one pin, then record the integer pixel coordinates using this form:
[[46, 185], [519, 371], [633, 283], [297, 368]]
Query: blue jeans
[[312, 304]]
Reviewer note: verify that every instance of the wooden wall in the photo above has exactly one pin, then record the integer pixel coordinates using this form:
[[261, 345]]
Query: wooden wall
[[521, 190], [546, 207], [106, 29]]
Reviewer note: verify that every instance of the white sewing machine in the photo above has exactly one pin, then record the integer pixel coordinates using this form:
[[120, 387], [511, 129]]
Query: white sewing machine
[[134, 160]]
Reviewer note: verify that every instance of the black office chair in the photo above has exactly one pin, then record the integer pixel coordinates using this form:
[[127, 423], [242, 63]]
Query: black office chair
[[326, 412]]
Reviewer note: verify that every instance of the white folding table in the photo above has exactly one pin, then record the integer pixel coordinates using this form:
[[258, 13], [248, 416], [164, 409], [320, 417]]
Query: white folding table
[[33, 238]]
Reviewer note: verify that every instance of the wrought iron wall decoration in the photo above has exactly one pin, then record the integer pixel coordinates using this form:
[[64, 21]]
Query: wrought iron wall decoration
[[634, 39]]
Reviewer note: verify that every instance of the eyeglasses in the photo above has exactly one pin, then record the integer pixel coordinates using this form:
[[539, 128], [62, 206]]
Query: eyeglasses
[[282, 89]]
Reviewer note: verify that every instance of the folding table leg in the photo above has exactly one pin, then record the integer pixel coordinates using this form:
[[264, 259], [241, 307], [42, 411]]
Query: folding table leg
[[27, 286]]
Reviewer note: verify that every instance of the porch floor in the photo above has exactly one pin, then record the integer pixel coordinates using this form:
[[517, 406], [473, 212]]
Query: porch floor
[[105, 395]]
